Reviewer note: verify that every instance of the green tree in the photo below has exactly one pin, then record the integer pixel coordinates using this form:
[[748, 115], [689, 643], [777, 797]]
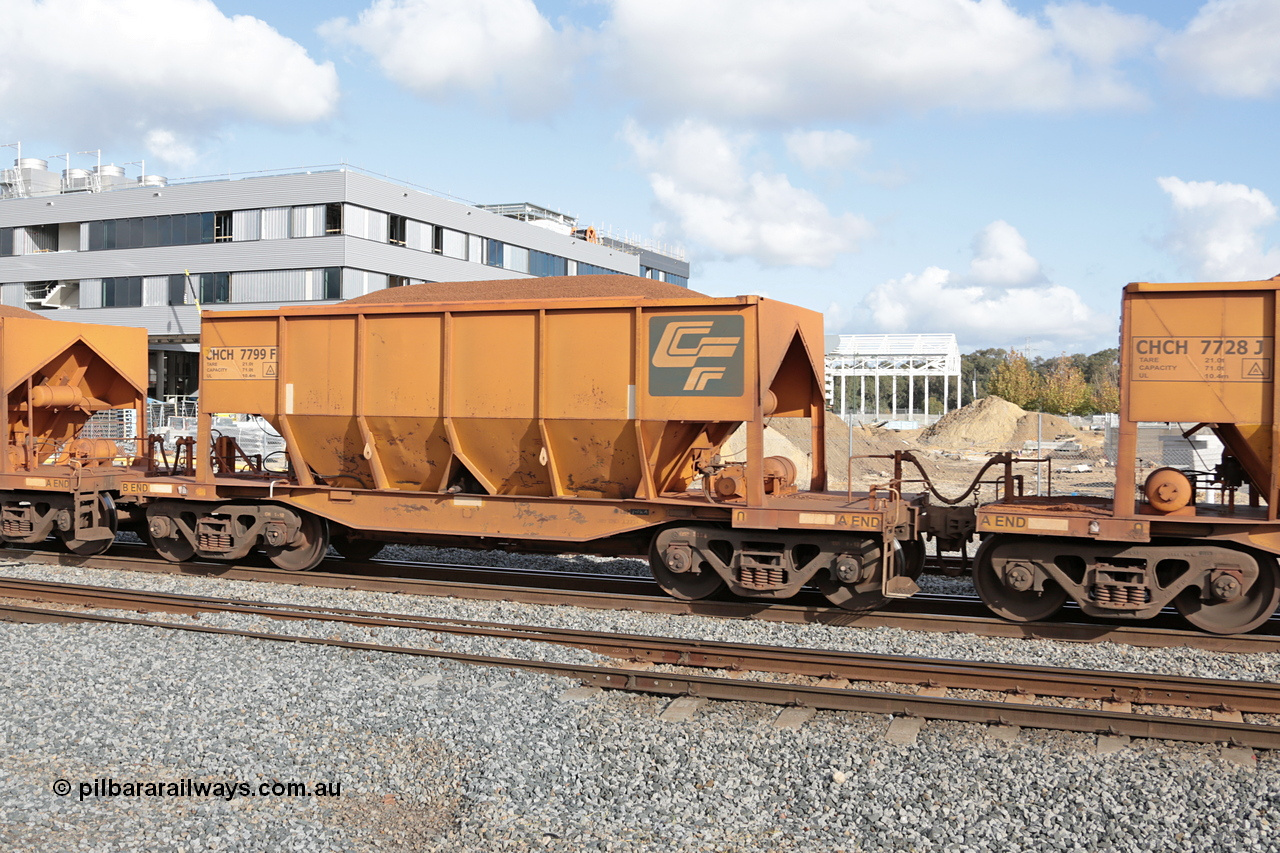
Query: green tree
[[1064, 390], [1104, 396], [1015, 380]]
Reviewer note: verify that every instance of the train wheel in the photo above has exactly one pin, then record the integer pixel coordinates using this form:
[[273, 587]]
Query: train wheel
[[684, 585], [842, 592], [309, 549], [1028, 605], [1241, 614], [93, 547], [913, 556], [164, 536], [357, 550], [176, 550], [848, 598]]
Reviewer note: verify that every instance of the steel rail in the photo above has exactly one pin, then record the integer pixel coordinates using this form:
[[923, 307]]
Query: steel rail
[[710, 687], [1228, 694], [988, 626]]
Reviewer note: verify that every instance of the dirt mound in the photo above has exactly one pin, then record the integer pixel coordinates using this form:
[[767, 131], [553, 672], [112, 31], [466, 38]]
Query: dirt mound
[[1051, 427], [990, 423], [842, 440], [547, 287]]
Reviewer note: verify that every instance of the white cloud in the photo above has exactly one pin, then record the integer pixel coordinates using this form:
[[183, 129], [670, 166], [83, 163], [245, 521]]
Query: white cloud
[[1003, 299], [165, 145], [1000, 258], [825, 149], [443, 49], [1229, 48], [782, 61], [1217, 230], [1099, 35], [700, 182], [98, 70]]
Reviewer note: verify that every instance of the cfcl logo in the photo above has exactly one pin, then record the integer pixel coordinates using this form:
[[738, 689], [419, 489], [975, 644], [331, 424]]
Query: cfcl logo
[[696, 356]]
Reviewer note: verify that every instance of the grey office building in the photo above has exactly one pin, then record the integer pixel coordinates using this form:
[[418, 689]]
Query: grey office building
[[96, 246]]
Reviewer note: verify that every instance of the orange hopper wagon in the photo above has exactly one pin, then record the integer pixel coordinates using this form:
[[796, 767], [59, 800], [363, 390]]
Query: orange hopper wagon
[[54, 478], [585, 413], [1203, 539]]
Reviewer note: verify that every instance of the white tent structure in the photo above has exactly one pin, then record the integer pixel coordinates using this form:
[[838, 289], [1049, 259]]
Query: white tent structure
[[890, 356]]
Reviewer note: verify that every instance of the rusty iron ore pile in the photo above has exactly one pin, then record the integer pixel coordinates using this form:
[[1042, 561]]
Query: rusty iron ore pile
[[438, 755], [551, 287]]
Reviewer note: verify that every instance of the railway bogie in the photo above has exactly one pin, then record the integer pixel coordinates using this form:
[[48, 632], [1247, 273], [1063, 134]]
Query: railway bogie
[[180, 530], [1219, 588], [694, 562]]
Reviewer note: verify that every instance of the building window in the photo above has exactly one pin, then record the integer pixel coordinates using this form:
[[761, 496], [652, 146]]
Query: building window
[[493, 253], [181, 229], [681, 280], [397, 280], [177, 289], [222, 226], [544, 263], [122, 292], [332, 283], [333, 218], [397, 229], [6, 242], [215, 287], [592, 269]]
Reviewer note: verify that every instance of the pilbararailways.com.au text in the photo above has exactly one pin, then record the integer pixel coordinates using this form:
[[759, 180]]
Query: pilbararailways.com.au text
[[228, 790]]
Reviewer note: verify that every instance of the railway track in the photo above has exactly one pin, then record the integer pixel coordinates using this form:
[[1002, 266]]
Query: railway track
[[1021, 686], [924, 612]]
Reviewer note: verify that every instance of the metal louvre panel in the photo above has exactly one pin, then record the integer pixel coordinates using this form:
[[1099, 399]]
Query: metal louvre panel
[[22, 242], [515, 258], [355, 221], [275, 223], [308, 221], [352, 283], [417, 235], [84, 236], [15, 295], [269, 286], [376, 225], [246, 225], [90, 292], [155, 291], [455, 244]]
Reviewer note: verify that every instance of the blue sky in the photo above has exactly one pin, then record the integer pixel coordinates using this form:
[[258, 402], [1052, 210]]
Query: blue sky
[[991, 168]]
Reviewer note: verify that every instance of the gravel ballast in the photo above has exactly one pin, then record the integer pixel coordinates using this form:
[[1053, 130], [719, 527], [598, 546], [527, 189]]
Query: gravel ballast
[[442, 756]]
